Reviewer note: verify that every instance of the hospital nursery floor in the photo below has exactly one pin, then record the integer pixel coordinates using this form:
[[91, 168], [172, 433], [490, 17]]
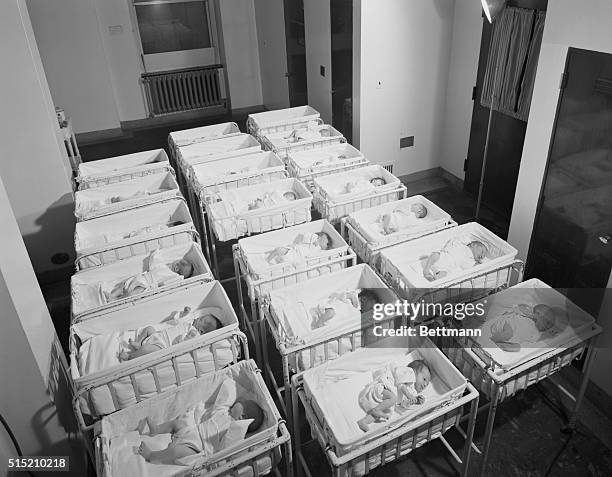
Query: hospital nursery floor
[[527, 439]]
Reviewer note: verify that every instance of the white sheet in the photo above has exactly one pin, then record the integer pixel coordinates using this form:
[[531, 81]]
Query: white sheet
[[334, 187], [369, 221], [408, 258], [204, 133], [504, 321], [336, 384]]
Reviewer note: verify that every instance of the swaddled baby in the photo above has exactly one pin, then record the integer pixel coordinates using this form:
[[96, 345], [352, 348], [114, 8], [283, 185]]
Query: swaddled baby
[[401, 218], [177, 330], [453, 257], [393, 387], [362, 185], [270, 199], [205, 431], [523, 324], [341, 303], [302, 247], [157, 275]]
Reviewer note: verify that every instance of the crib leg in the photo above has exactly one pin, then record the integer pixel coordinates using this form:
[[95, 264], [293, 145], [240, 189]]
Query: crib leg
[[213, 246], [469, 436], [287, 390], [590, 357], [295, 433], [489, 428], [256, 329]]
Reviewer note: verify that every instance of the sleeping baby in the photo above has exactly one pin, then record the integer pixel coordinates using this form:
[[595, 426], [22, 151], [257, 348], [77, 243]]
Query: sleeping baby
[[362, 185], [270, 199], [340, 303], [151, 339], [135, 195], [393, 387], [511, 330], [205, 431], [401, 218], [157, 275], [301, 248], [453, 257], [299, 135]]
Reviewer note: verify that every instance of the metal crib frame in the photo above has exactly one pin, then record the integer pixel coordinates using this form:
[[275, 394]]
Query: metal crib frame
[[391, 446], [366, 251], [308, 179], [253, 324]]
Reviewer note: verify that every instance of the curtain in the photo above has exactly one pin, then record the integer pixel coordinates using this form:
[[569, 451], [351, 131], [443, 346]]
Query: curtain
[[512, 61]]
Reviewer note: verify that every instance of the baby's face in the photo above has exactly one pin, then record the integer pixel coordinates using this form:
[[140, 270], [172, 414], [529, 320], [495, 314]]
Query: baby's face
[[323, 241], [366, 303], [240, 411], [290, 196], [205, 324], [478, 251], [423, 378], [419, 210], [544, 317], [377, 181], [182, 267]]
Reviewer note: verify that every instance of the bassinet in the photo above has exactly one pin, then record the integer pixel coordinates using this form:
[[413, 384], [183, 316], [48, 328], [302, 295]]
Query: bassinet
[[268, 122], [308, 137]]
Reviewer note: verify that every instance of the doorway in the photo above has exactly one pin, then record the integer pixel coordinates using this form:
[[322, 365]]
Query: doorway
[[571, 245], [295, 35], [341, 15]]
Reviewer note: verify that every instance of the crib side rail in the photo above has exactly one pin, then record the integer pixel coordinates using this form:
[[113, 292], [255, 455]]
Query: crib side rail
[[88, 182], [149, 363]]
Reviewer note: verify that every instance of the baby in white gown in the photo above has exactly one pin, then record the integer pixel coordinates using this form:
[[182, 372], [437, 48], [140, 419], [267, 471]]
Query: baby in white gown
[[401, 218], [453, 257], [302, 247]]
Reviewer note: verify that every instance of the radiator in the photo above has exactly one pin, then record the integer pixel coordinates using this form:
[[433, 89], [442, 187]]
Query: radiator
[[184, 90]]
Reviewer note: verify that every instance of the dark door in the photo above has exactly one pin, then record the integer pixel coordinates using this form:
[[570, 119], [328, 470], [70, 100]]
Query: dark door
[[341, 19], [506, 139], [571, 245], [296, 52]]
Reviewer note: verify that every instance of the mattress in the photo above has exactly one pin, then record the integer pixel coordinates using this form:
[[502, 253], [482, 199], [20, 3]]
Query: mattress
[[231, 219], [117, 430], [119, 168], [255, 249], [403, 263], [112, 198], [509, 334], [94, 346], [87, 296], [132, 232], [208, 151], [368, 221], [290, 307], [281, 119], [231, 173], [186, 137], [332, 188], [329, 386]]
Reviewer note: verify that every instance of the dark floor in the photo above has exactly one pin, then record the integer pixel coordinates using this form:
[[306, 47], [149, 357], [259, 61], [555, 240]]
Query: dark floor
[[527, 438]]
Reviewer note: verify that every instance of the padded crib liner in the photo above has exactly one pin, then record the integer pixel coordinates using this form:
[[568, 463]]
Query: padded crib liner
[[504, 323], [249, 385], [235, 172], [333, 389], [367, 221], [94, 346], [281, 119], [115, 169], [87, 298], [186, 137], [228, 223], [404, 262], [112, 232], [290, 306], [329, 187], [115, 197]]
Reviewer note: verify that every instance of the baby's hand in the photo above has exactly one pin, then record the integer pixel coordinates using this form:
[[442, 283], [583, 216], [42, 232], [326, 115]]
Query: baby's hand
[[420, 399], [124, 356], [429, 274]]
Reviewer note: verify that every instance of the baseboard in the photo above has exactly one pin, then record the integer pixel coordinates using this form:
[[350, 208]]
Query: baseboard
[[213, 114], [418, 176], [452, 178], [95, 137]]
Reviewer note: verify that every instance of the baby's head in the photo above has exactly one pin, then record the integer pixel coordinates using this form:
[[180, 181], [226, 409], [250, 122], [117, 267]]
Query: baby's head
[[324, 240], [419, 210], [207, 323], [256, 204], [290, 196], [325, 132], [377, 181], [422, 374], [183, 267], [543, 317], [248, 409], [367, 300], [479, 251]]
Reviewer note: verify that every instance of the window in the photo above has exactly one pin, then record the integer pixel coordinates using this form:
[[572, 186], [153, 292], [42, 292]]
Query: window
[[175, 34]]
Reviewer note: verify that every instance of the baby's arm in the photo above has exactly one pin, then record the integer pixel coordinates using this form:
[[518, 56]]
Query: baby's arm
[[409, 395], [389, 399], [168, 456], [427, 271]]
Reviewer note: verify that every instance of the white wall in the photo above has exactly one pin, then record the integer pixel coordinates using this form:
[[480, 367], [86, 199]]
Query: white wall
[[406, 45], [467, 31], [270, 24], [317, 25], [241, 52], [75, 65], [33, 164]]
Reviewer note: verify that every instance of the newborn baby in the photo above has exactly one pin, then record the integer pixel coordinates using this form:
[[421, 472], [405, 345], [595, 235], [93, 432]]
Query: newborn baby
[[401, 218], [354, 186], [150, 339], [270, 199], [454, 256], [342, 302], [400, 386], [205, 431], [158, 274], [509, 333], [135, 195], [301, 248]]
